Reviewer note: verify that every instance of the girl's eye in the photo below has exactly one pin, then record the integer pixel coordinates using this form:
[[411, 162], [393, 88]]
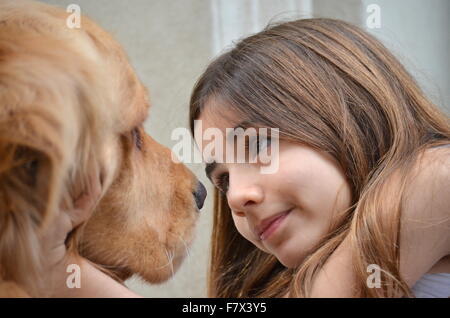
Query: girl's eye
[[221, 182], [137, 137], [262, 142], [259, 142]]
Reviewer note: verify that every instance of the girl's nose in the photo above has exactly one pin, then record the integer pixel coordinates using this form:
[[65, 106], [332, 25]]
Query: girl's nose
[[243, 192]]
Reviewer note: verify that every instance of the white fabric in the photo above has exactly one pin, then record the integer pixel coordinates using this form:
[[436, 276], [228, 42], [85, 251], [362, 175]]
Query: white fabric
[[433, 286]]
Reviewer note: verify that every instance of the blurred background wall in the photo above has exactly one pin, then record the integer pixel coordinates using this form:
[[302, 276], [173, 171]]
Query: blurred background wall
[[170, 42], [418, 32]]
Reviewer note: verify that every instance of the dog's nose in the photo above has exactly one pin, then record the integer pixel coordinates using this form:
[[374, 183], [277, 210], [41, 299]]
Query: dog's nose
[[200, 195]]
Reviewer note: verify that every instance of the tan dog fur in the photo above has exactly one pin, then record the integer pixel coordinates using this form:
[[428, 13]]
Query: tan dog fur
[[69, 102]]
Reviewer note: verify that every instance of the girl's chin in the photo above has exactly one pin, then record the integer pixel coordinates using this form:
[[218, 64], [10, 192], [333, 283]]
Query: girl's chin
[[286, 260], [289, 261], [290, 264]]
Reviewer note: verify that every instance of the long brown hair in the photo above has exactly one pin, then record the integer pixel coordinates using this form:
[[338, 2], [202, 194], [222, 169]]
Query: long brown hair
[[332, 86]]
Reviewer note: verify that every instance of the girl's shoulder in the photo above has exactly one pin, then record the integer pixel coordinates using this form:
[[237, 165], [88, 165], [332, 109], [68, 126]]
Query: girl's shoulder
[[425, 217], [438, 152], [431, 178], [442, 149], [434, 162]]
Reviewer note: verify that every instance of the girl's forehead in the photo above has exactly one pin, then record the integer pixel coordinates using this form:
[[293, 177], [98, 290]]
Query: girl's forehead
[[215, 116]]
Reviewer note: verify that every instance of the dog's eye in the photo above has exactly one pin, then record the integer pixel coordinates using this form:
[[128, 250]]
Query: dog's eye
[[137, 137], [30, 171], [28, 164], [31, 167]]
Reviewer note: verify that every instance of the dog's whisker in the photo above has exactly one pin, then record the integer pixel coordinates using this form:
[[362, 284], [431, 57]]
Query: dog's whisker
[[171, 263], [168, 262], [186, 247], [170, 259]]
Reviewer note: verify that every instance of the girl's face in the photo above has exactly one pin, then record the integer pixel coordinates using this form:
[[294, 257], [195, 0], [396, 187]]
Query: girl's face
[[285, 213]]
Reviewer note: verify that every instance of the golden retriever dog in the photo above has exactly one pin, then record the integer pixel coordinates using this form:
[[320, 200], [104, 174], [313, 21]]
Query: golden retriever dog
[[71, 105]]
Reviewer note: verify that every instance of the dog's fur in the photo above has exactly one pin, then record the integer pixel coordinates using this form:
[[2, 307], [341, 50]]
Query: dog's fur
[[71, 105]]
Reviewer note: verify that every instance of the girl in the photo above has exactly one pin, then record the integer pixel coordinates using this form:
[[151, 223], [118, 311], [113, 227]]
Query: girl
[[360, 204]]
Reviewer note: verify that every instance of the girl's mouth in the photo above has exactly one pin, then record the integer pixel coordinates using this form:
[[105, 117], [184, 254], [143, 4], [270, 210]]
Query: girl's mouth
[[270, 225]]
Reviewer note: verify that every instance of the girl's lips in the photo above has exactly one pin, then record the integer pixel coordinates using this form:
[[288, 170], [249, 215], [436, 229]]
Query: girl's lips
[[271, 225]]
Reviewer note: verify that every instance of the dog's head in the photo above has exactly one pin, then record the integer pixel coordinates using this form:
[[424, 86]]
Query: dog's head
[[71, 105]]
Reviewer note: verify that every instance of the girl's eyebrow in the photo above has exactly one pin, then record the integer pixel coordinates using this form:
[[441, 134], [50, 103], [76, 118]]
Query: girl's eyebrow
[[243, 124]]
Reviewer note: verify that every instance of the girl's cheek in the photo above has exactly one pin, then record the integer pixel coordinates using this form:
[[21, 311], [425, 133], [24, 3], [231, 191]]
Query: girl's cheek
[[242, 226]]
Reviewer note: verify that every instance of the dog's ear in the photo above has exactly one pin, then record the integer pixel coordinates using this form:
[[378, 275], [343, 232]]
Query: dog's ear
[[30, 185], [28, 179], [53, 86], [49, 134]]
